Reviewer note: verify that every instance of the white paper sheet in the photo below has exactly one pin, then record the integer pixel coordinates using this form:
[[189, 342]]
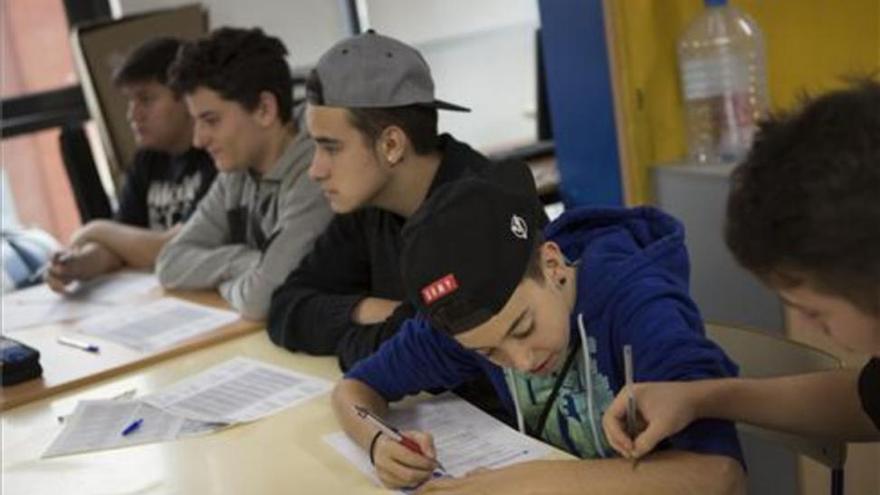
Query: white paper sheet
[[155, 325], [39, 305], [98, 425], [238, 390], [18, 316], [122, 286], [465, 437]]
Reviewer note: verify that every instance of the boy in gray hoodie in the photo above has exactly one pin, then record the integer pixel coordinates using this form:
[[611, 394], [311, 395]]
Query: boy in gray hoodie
[[263, 212]]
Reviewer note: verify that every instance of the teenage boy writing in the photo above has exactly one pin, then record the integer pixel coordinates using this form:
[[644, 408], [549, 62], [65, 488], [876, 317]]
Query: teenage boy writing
[[804, 216], [534, 316]]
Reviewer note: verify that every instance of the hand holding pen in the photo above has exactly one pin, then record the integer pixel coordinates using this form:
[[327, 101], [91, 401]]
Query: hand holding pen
[[407, 460], [59, 258], [58, 271]]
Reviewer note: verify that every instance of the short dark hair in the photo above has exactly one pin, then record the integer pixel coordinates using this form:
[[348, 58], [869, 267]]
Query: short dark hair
[[804, 206], [239, 64], [418, 122], [148, 62], [535, 267]]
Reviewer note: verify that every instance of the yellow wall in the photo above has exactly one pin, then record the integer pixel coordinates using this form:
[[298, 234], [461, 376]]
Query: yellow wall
[[810, 44]]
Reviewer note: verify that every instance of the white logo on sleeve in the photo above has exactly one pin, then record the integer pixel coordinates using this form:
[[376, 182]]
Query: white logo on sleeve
[[519, 227]]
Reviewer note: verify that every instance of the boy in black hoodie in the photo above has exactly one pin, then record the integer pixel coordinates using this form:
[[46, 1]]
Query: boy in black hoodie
[[373, 116]]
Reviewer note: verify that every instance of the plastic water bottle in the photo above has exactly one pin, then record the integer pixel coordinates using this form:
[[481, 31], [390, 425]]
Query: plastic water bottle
[[724, 82]]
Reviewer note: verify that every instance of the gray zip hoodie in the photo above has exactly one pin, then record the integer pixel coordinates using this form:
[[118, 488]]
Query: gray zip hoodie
[[249, 232]]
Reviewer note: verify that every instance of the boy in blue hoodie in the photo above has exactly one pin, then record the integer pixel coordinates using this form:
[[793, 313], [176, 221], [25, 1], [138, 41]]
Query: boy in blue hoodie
[[547, 322]]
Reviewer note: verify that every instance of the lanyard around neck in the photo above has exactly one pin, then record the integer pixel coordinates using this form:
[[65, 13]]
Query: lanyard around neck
[[557, 385]]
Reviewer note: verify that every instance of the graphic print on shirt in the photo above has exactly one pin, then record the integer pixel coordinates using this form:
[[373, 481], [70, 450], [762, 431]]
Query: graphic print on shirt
[[569, 426], [169, 203]]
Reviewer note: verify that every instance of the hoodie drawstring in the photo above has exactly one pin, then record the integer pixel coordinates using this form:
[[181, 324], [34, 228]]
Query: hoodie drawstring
[[588, 380]]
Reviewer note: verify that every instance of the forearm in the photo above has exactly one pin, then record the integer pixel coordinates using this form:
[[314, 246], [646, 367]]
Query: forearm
[[824, 404], [137, 247], [296, 311], [372, 310], [249, 293], [189, 266], [96, 259], [361, 341], [346, 395], [670, 472]]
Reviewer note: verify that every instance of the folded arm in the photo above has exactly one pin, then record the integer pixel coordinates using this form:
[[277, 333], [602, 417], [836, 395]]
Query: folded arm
[[200, 256], [136, 247], [245, 277], [328, 305]]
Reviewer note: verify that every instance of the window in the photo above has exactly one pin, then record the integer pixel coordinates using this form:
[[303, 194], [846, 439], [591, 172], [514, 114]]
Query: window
[[36, 59], [36, 47]]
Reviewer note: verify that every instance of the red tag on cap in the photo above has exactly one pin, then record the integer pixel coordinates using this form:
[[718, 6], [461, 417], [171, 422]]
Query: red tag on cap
[[439, 288]]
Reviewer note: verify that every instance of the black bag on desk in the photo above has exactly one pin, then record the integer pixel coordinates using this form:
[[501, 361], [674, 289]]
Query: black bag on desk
[[19, 362]]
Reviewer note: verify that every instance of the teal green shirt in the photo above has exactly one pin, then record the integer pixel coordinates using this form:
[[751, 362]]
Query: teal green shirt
[[572, 424]]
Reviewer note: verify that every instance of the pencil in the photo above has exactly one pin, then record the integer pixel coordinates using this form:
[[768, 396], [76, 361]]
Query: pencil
[[630, 397]]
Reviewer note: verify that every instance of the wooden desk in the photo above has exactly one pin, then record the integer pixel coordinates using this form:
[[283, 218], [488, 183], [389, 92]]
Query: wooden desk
[[283, 454], [65, 368]]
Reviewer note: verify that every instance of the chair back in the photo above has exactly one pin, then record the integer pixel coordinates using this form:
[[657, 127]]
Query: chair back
[[760, 354]]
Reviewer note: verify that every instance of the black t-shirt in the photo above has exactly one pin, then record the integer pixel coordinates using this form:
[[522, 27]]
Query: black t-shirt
[[869, 390], [162, 190]]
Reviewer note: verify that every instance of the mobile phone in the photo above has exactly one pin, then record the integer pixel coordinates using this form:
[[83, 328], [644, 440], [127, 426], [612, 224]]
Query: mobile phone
[[18, 362]]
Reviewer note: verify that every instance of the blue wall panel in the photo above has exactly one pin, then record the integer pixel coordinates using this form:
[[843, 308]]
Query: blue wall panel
[[581, 102]]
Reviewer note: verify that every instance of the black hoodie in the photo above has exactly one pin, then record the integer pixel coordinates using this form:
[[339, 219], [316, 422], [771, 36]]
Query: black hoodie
[[358, 256]]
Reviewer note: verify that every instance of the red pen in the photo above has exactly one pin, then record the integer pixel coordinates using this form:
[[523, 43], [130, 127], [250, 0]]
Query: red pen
[[393, 433]]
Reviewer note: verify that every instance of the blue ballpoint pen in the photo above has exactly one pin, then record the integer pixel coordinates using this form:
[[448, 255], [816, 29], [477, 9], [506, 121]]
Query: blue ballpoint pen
[[78, 344], [131, 428]]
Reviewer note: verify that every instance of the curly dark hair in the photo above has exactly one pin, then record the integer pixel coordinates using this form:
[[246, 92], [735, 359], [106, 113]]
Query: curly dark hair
[[418, 122], [148, 62], [239, 64], [804, 206]]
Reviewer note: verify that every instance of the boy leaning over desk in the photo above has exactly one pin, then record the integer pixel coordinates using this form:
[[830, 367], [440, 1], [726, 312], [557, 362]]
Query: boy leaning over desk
[[804, 216], [535, 315]]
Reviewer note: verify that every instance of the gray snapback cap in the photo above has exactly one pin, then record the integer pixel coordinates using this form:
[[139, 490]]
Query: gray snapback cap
[[374, 71]]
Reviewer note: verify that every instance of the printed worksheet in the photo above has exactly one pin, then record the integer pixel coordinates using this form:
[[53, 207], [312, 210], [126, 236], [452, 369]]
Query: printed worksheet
[[155, 325], [109, 424], [238, 390], [465, 437], [117, 287], [39, 305]]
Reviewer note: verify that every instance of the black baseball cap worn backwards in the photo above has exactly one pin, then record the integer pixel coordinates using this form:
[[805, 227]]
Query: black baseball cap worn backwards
[[374, 71], [466, 250]]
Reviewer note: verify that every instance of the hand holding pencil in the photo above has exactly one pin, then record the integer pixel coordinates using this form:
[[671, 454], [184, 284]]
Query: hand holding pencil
[[661, 409], [402, 458]]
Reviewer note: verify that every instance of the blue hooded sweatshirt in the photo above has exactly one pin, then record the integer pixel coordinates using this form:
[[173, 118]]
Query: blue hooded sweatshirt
[[632, 288]]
